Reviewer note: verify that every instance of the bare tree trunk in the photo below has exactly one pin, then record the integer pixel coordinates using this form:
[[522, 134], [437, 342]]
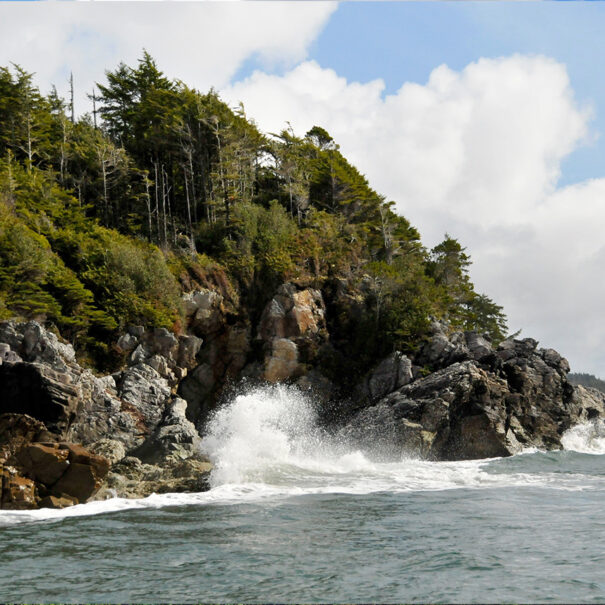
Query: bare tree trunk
[[148, 201], [29, 143], [104, 172], [157, 201], [189, 225], [165, 231], [63, 156], [71, 98]]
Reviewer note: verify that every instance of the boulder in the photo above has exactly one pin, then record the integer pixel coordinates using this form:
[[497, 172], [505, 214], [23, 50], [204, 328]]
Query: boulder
[[390, 374], [443, 348], [43, 463], [111, 449]]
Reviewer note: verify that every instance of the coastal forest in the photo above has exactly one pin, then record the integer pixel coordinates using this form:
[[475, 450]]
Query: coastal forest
[[107, 218]]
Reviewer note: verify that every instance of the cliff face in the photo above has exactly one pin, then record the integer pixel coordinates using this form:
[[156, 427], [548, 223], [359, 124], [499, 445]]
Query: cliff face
[[68, 435]]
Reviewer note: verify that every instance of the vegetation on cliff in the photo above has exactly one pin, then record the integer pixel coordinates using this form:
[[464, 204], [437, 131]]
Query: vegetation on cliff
[[107, 218]]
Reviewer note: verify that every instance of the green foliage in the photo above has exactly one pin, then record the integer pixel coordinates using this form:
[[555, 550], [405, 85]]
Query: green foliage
[[448, 266], [130, 279], [104, 220], [260, 244]]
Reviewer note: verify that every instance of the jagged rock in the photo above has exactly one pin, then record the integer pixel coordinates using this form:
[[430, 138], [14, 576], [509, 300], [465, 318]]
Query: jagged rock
[[517, 396], [204, 309], [175, 438], [189, 347], [291, 314], [196, 390], [43, 463], [57, 502], [85, 473], [114, 414], [589, 403], [127, 342], [7, 355], [18, 430], [390, 374], [35, 344], [443, 349], [40, 391], [292, 326], [282, 363], [167, 354], [478, 346], [111, 449], [145, 392]]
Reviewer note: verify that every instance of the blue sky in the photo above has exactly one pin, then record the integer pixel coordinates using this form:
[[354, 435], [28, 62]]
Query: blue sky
[[405, 41]]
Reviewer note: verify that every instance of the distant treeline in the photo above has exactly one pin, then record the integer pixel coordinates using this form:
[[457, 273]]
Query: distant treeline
[[587, 380]]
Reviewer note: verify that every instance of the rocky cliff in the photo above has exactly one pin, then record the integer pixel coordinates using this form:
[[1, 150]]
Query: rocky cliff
[[68, 435]]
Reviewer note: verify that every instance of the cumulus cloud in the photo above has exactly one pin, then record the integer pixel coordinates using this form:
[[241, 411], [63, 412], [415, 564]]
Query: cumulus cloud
[[476, 153], [202, 43]]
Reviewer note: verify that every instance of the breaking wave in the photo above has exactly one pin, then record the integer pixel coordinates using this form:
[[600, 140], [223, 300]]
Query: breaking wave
[[266, 445], [587, 438]]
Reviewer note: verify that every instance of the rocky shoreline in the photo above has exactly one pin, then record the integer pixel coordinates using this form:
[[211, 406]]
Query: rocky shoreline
[[68, 436]]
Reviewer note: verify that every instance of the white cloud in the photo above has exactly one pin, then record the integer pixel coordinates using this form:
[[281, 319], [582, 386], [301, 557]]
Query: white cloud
[[476, 153], [202, 43]]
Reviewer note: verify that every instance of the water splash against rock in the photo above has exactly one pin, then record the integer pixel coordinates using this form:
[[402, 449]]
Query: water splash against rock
[[587, 438]]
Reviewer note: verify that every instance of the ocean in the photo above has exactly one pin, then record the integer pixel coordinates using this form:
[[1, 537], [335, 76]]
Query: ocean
[[297, 515]]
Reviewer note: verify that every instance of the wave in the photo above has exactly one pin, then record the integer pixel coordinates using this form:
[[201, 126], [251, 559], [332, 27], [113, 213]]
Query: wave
[[266, 445], [586, 438]]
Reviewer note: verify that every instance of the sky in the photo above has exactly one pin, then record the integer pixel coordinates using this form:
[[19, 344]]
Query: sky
[[480, 120]]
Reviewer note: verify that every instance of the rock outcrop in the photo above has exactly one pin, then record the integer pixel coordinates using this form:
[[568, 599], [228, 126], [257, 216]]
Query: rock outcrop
[[67, 435], [45, 474], [49, 404], [292, 328], [482, 402]]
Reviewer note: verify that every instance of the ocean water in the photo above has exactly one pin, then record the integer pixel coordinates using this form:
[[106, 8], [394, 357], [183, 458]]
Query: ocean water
[[295, 515]]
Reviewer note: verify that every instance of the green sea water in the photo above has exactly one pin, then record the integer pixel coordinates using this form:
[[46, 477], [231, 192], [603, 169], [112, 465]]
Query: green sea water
[[295, 517]]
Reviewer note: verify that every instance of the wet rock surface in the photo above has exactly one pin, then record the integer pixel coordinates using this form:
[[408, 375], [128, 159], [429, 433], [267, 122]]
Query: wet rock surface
[[482, 402]]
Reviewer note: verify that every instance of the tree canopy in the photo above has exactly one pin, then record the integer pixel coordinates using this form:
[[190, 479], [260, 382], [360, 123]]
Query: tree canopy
[[100, 215]]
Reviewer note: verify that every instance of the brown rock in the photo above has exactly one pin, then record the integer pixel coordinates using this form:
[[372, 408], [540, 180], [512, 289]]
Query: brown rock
[[17, 492], [79, 481], [283, 362], [43, 463], [17, 430], [57, 502]]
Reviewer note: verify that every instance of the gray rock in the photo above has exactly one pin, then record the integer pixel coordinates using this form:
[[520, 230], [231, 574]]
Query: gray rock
[[175, 438], [390, 374], [127, 342], [517, 397], [189, 347], [477, 345], [111, 449]]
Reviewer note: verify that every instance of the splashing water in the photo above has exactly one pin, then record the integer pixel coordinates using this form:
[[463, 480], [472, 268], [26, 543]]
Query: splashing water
[[268, 440], [587, 438], [266, 445]]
